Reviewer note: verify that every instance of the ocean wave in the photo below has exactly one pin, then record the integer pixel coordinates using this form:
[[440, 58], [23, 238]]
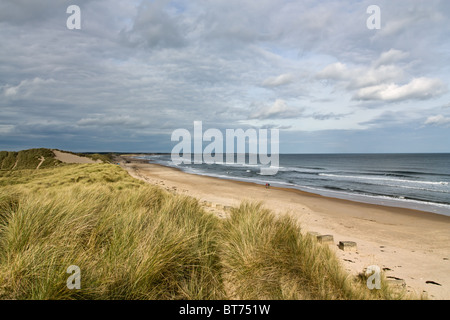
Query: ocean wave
[[422, 188], [383, 179], [412, 173], [298, 171], [416, 188], [301, 169], [246, 165], [363, 194]]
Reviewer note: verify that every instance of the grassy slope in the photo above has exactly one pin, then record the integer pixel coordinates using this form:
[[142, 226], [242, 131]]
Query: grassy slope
[[27, 159], [105, 157], [132, 240], [30, 159]]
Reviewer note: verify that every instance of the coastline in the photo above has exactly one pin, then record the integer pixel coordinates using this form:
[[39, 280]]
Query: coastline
[[390, 194], [408, 244], [397, 209]]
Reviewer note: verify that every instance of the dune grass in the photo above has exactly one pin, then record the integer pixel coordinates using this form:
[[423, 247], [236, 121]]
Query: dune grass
[[104, 157], [30, 159], [132, 240], [27, 159], [265, 257]]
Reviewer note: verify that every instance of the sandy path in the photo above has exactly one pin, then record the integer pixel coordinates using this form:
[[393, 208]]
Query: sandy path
[[15, 164], [71, 158], [40, 163], [413, 245]]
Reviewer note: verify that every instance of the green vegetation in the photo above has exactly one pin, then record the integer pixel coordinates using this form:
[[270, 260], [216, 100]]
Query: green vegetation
[[104, 157], [265, 257], [27, 159], [30, 159], [268, 258], [132, 240]]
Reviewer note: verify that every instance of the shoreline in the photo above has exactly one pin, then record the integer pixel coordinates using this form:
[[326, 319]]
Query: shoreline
[[393, 209], [397, 209], [439, 208], [408, 244]]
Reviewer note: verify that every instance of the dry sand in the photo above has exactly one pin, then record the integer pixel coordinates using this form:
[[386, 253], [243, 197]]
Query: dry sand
[[41, 161], [409, 245], [72, 158]]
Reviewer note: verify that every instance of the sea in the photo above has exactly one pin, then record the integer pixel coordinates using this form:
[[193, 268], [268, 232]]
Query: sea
[[416, 181]]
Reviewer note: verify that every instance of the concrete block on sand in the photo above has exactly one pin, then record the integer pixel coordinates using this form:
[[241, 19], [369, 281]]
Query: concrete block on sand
[[313, 234], [347, 245], [326, 238]]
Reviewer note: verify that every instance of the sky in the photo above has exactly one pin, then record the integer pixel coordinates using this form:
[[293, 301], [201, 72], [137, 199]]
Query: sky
[[138, 70]]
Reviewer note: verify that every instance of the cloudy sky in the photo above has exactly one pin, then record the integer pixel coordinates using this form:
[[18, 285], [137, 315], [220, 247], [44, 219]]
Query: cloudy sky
[[138, 70]]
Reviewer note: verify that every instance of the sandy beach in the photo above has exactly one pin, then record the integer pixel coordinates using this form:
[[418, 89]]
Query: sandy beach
[[410, 245]]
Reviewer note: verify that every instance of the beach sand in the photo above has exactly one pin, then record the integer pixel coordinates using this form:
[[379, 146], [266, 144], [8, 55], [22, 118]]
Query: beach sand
[[410, 245], [72, 158]]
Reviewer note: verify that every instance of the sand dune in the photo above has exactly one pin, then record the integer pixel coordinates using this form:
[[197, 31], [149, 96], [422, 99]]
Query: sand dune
[[409, 245], [71, 158]]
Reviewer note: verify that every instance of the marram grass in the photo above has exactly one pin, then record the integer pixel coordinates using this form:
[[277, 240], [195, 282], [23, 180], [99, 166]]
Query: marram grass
[[27, 159], [132, 240]]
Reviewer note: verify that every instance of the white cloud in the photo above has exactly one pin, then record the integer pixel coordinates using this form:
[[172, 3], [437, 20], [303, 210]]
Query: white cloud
[[419, 88], [279, 110], [438, 120], [122, 120], [396, 26], [278, 81], [11, 91], [358, 77], [374, 76], [26, 86], [335, 71], [6, 128], [391, 56], [379, 81]]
